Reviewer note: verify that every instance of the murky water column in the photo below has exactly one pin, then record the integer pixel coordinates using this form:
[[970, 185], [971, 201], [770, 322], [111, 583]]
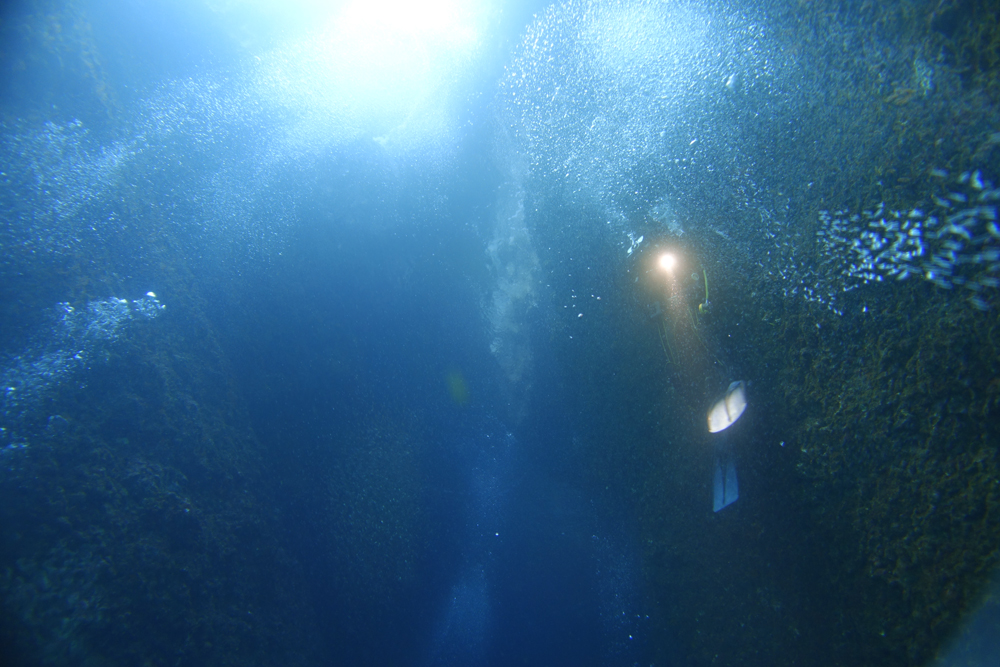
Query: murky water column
[[464, 626], [542, 576]]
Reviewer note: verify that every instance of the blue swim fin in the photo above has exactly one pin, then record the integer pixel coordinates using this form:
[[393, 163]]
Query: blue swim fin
[[725, 487]]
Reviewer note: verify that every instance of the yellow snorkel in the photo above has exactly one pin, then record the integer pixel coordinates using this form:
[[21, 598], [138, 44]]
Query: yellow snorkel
[[703, 308]]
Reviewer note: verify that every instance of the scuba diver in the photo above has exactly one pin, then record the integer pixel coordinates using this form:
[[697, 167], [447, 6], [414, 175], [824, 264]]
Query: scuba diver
[[682, 328]]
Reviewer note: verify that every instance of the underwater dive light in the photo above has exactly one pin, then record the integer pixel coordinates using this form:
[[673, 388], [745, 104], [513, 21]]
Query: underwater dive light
[[668, 261]]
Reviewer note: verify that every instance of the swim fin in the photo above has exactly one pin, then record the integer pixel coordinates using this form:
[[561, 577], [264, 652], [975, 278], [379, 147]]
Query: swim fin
[[726, 487]]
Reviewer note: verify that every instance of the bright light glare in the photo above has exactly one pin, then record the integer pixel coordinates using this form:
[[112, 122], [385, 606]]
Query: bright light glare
[[397, 58], [385, 69], [388, 37], [402, 46], [667, 261], [437, 20]]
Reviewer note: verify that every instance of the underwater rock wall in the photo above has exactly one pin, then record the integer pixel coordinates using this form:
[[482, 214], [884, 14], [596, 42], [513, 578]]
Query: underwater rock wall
[[131, 486], [901, 460], [865, 527], [125, 515], [868, 462], [887, 399]]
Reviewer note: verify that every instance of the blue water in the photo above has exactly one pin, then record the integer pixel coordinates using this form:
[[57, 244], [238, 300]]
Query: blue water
[[333, 334]]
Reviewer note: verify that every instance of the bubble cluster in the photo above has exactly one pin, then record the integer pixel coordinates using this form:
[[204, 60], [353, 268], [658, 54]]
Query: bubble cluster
[[620, 127], [60, 353], [54, 178], [147, 306], [953, 240]]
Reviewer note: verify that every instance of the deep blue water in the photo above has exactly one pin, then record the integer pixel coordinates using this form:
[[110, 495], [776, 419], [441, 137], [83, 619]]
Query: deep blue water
[[335, 334]]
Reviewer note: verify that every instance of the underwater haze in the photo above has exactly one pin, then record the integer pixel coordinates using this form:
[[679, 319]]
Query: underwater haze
[[483, 333]]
